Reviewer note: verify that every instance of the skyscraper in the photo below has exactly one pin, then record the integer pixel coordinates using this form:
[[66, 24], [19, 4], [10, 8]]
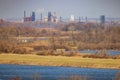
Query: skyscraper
[[102, 19], [49, 16], [33, 16]]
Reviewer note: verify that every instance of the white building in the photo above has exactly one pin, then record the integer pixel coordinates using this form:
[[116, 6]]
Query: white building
[[72, 19]]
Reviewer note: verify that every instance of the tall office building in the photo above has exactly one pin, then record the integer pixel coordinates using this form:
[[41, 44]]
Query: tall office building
[[49, 16], [102, 19], [33, 16]]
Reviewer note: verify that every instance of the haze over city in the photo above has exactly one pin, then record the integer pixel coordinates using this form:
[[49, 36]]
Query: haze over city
[[64, 8]]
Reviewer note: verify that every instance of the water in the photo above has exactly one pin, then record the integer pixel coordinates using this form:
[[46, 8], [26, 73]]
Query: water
[[110, 52], [53, 73]]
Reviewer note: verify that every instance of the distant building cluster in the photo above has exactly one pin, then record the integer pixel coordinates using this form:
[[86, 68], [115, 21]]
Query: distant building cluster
[[50, 18], [31, 18], [53, 17]]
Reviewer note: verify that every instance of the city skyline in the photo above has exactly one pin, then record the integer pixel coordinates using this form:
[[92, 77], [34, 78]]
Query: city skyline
[[64, 8]]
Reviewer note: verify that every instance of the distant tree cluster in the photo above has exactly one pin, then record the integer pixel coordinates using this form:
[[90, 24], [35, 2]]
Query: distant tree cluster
[[64, 36]]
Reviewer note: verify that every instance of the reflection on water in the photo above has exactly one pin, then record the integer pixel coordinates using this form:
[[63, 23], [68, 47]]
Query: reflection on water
[[53, 73]]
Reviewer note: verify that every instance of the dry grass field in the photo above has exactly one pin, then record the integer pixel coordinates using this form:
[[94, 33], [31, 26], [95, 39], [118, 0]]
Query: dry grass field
[[28, 59]]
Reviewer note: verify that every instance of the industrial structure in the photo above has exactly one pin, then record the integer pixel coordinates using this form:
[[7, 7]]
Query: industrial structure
[[49, 17], [72, 18], [52, 18], [31, 18], [55, 19]]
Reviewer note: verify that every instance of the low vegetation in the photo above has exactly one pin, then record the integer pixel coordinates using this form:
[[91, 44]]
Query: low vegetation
[[81, 35], [28, 59], [102, 54]]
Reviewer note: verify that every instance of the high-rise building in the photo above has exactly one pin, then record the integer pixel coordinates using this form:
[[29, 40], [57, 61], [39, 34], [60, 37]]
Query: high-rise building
[[33, 16], [102, 19], [49, 16]]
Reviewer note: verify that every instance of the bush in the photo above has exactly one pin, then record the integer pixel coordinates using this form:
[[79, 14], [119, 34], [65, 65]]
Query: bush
[[69, 54], [99, 54], [20, 50], [7, 47], [41, 53], [45, 52], [116, 56]]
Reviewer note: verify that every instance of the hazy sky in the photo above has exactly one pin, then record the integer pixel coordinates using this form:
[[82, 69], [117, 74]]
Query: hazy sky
[[64, 8]]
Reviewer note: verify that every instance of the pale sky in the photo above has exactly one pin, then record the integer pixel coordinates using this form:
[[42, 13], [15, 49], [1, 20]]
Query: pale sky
[[64, 8]]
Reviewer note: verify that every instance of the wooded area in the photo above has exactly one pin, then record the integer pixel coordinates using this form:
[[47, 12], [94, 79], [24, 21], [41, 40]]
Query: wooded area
[[16, 38]]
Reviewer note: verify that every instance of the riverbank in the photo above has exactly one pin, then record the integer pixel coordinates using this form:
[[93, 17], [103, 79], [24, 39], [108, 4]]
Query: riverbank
[[27, 59]]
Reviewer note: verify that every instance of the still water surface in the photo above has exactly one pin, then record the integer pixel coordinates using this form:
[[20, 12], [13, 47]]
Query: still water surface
[[53, 73]]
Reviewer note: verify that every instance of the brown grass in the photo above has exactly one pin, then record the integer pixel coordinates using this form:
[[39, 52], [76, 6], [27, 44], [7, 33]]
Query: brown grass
[[27, 59]]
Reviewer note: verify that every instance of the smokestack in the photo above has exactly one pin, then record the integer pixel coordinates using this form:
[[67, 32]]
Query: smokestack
[[79, 19], [86, 19], [24, 14], [41, 16]]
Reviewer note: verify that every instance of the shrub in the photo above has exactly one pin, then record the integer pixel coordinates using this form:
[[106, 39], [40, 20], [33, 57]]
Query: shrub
[[70, 54], [7, 47], [20, 50], [116, 56], [99, 54], [40, 53], [45, 52]]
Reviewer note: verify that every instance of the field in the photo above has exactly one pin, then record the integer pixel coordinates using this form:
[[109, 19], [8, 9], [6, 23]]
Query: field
[[29, 59]]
